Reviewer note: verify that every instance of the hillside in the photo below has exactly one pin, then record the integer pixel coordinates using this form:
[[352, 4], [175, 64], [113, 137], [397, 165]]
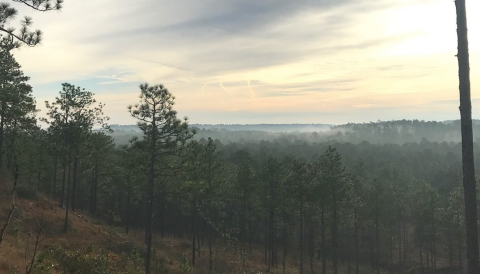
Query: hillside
[[86, 232]]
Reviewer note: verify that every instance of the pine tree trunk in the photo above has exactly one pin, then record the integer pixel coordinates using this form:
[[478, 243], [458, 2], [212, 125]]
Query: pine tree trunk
[[391, 246], [301, 235], [193, 229], [2, 127], [311, 245], [421, 255], [62, 195], [65, 225], [334, 233], [163, 220], [95, 187], [242, 226], [55, 167], [127, 209], [460, 250], [357, 270], [284, 236], [469, 184], [450, 246], [265, 257], [250, 236], [434, 247], [324, 252], [12, 145], [150, 196], [400, 261], [405, 240], [75, 168], [272, 226]]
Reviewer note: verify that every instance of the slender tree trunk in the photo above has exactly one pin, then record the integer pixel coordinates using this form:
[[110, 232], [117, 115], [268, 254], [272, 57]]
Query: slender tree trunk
[[469, 184], [301, 235], [450, 246], [92, 183], [272, 226], [55, 167], [265, 257], [421, 255], [372, 248], [150, 196], [357, 270], [377, 243], [12, 144], [434, 247], [95, 187], [210, 251], [400, 243], [210, 228], [242, 226], [75, 169], [2, 127], [427, 255], [311, 245], [62, 195], [65, 225], [284, 236], [391, 247], [405, 240], [163, 220], [12, 206], [199, 232], [250, 236], [460, 248], [334, 233], [324, 251], [127, 209], [193, 228]]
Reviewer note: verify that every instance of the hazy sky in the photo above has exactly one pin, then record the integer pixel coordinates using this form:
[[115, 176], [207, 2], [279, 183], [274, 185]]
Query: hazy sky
[[252, 61]]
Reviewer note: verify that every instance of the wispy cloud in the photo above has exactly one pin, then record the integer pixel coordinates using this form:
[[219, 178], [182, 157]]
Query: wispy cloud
[[241, 57]]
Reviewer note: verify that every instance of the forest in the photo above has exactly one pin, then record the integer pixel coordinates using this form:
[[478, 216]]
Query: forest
[[296, 202]]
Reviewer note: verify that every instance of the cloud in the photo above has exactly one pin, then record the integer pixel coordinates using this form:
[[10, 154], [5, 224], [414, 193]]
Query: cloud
[[247, 56]]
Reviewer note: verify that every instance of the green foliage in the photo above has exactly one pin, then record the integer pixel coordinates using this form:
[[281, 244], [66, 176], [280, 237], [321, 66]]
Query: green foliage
[[11, 39], [185, 265], [57, 259]]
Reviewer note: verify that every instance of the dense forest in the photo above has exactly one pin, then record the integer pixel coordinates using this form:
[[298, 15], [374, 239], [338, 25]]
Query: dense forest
[[380, 132], [334, 199]]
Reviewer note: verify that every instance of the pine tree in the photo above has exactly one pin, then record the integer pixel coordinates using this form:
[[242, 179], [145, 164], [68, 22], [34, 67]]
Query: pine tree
[[16, 100], [73, 114], [165, 135]]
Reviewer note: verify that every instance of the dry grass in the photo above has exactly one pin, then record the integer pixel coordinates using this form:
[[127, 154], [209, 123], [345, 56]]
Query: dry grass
[[85, 231]]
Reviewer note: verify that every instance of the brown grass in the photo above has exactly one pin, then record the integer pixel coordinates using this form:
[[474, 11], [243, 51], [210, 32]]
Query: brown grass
[[84, 230]]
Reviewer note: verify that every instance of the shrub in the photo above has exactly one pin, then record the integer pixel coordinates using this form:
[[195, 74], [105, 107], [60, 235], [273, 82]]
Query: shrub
[[57, 259]]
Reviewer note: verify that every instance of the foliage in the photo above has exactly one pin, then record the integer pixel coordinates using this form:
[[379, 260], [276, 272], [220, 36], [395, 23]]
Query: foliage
[[11, 39], [56, 259]]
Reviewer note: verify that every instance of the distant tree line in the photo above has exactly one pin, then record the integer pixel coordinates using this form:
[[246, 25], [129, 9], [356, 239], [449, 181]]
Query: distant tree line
[[386, 132]]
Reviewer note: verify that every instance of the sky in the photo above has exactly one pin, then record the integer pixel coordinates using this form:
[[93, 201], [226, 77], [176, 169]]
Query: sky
[[252, 61]]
